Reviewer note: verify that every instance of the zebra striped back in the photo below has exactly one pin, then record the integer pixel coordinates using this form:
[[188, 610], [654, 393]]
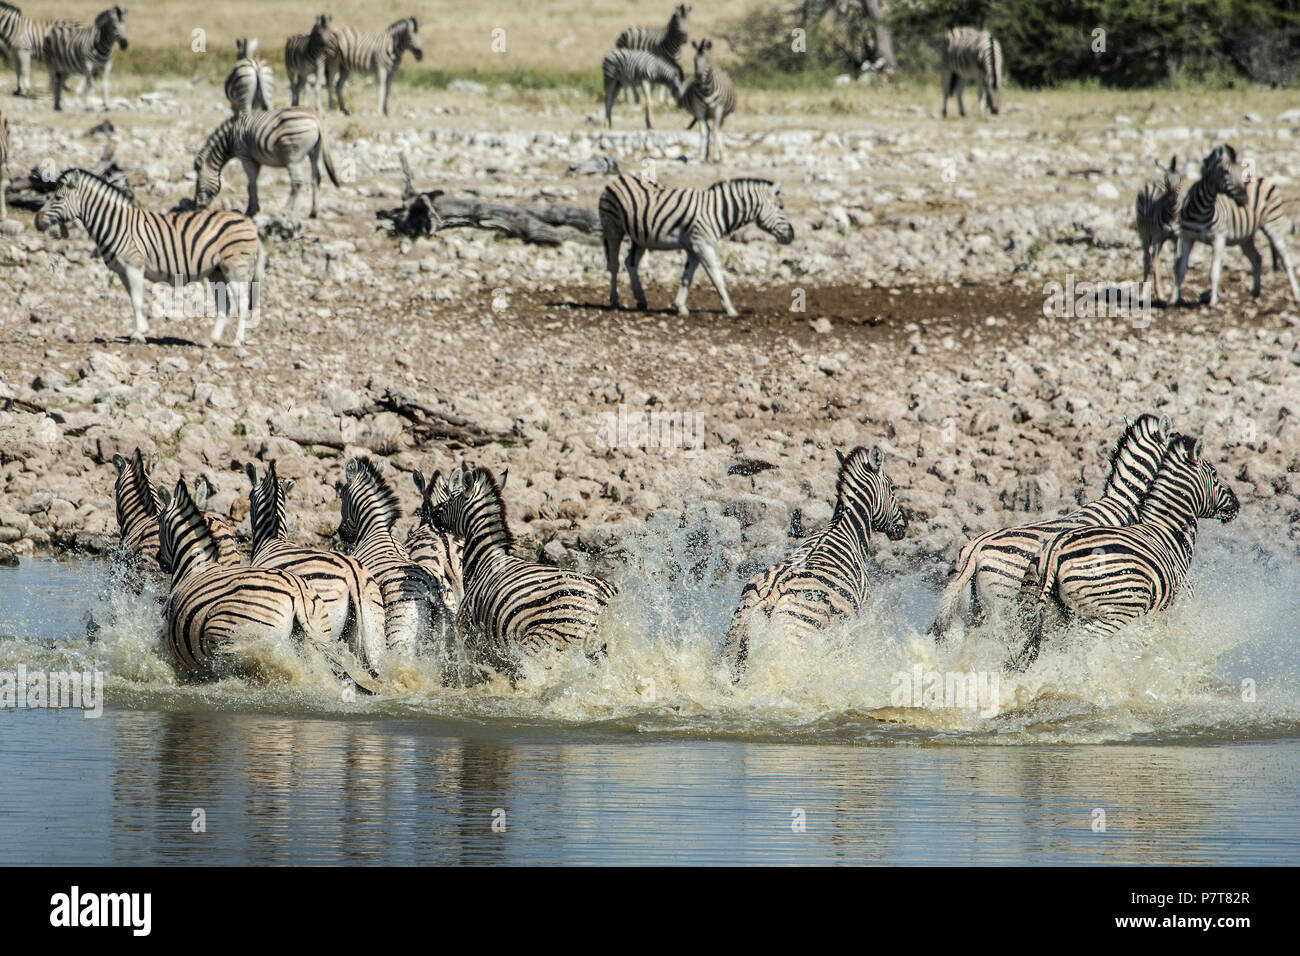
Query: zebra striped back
[[279, 137], [626, 67], [972, 55], [1110, 576], [513, 607], [825, 580], [661, 217], [364, 51], [251, 82], [85, 51], [666, 41]]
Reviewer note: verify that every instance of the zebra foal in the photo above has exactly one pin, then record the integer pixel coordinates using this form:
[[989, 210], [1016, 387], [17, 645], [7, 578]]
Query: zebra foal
[[1156, 210], [84, 51], [710, 98]]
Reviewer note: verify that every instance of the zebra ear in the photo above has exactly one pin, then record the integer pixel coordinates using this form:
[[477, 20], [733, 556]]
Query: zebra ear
[[776, 188], [153, 463], [201, 489], [380, 465], [1166, 428], [875, 458], [417, 479], [164, 498], [119, 463], [351, 470], [839, 455], [289, 485], [501, 478], [1198, 449], [251, 471]]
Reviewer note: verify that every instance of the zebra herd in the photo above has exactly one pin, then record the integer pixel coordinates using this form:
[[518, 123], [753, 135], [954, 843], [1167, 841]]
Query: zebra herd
[[455, 591]]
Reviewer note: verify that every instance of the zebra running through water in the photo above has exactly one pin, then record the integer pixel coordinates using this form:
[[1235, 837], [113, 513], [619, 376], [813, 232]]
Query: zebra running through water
[[1222, 210], [375, 54], [24, 38], [971, 55], [638, 68], [438, 552], [513, 608], [304, 59], [4, 163], [710, 98], [415, 609], [351, 594], [215, 611], [824, 581], [282, 137], [1110, 576], [137, 244], [1156, 210], [653, 216], [665, 42], [252, 82], [987, 574], [84, 51]]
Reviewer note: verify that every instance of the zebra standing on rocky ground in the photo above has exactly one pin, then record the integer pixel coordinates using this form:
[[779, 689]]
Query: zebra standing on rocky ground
[[1223, 210], [437, 551], [351, 594], [137, 244], [1111, 576], [4, 163], [971, 55], [512, 607], [215, 611], [987, 574], [665, 42], [638, 68], [304, 58], [282, 137], [710, 98], [1157, 218], [252, 82], [24, 38], [84, 51], [375, 54], [825, 580], [654, 216]]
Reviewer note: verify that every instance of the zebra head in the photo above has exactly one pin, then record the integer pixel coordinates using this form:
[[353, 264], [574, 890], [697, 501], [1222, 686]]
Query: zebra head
[[681, 17], [184, 536], [63, 207], [267, 509], [771, 214], [1222, 172], [1187, 473], [245, 48], [322, 39], [110, 28], [367, 501], [863, 487], [136, 500], [210, 160], [406, 36], [473, 498], [703, 57], [432, 493]]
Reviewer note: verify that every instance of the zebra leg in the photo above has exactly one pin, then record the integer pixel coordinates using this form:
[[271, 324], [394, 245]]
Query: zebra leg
[[613, 236], [294, 85], [315, 176], [223, 307], [688, 276], [133, 278], [56, 87], [1216, 266], [645, 90], [1146, 265], [1256, 264], [712, 268], [634, 254], [1180, 267], [338, 91], [611, 94], [104, 83], [23, 67], [1277, 243], [383, 80], [947, 92], [961, 84], [252, 170]]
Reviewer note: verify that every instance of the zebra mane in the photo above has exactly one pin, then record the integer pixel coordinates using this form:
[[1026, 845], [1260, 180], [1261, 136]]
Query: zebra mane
[[218, 138], [856, 460], [96, 178], [133, 479], [266, 500], [485, 480], [183, 523], [1144, 422], [384, 495], [396, 26], [742, 181]]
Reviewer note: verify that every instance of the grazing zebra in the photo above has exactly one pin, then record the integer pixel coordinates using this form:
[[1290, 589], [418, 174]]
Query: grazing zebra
[[162, 247], [638, 68], [415, 608], [972, 56], [251, 83], [304, 58], [710, 98], [825, 580], [1223, 211], [1157, 218], [439, 553], [87, 51], [379, 54], [654, 216], [215, 611], [351, 594], [280, 137], [1110, 576], [24, 38], [513, 607], [987, 574], [4, 162], [664, 42]]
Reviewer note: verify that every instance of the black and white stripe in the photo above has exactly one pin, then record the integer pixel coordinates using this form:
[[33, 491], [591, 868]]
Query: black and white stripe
[[665, 42], [710, 98], [1222, 210], [824, 581], [162, 247], [282, 137], [987, 574], [1157, 208], [304, 59], [438, 552], [971, 55], [638, 69], [1108, 577], [373, 54], [512, 607], [654, 216], [251, 83], [84, 51], [136, 502], [24, 38]]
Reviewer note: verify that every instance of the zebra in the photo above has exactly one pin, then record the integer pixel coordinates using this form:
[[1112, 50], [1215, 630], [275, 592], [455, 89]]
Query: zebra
[[824, 581], [135, 500], [280, 137], [1157, 218], [710, 98], [1222, 210], [654, 216], [87, 51], [985, 578], [251, 83], [971, 55], [351, 594], [304, 58], [379, 54], [214, 611], [137, 244], [439, 553], [638, 68], [25, 40], [415, 609], [664, 42], [512, 607], [4, 163], [1110, 576]]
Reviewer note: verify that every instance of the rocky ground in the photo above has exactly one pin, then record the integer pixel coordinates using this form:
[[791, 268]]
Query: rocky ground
[[908, 311]]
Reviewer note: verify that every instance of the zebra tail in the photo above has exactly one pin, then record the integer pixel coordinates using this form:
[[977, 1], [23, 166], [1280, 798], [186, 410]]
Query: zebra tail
[[328, 159], [1031, 607], [362, 678], [960, 589]]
